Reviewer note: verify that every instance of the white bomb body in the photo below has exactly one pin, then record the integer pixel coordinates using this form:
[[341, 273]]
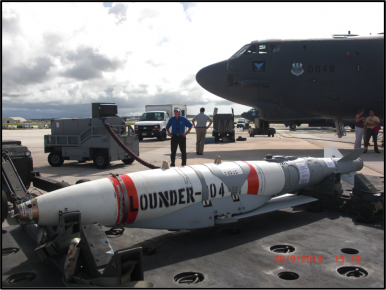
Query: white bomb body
[[183, 198]]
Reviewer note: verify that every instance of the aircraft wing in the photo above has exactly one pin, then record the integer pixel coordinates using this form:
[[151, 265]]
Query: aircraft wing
[[284, 201]]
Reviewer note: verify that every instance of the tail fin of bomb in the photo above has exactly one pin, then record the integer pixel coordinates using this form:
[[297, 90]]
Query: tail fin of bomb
[[353, 155], [349, 177], [334, 153]]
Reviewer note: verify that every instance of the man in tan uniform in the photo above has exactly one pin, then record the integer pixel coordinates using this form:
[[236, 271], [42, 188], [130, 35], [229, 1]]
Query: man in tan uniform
[[201, 130], [371, 122]]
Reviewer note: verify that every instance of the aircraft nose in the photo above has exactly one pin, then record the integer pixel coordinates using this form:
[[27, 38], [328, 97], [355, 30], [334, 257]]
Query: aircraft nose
[[213, 78]]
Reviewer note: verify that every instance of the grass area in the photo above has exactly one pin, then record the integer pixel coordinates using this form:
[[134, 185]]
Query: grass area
[[19, 124]]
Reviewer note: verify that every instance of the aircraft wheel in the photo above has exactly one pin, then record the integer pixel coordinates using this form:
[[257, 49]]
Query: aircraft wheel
[[101, 160], [128, 161], [55, 159]]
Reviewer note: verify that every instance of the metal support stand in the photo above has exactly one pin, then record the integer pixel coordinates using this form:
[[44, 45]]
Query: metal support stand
[[67, 232], [364, 200], [85, 256]]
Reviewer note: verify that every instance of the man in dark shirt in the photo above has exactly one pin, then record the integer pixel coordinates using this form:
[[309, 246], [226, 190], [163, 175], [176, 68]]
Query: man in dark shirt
[[178, 124], [372, 122]]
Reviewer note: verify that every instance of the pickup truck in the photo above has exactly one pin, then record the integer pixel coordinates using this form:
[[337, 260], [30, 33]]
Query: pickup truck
[[243, 123]]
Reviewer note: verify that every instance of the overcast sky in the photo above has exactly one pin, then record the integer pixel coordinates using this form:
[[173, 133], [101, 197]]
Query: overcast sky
[[58, 58]]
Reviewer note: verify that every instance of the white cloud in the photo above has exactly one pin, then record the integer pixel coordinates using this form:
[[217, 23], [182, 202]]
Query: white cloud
[[133, 53]]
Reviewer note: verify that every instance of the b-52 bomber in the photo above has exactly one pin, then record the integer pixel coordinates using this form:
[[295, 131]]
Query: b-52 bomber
[[324, 78]]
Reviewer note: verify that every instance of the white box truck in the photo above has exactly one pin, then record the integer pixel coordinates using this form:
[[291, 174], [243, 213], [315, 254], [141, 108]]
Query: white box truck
[[153, 122]]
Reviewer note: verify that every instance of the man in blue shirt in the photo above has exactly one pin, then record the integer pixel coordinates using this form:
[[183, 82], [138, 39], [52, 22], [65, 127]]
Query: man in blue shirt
[[178, 124]]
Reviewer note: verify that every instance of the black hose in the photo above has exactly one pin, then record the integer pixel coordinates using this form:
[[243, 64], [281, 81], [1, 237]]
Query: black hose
[[127, 150]]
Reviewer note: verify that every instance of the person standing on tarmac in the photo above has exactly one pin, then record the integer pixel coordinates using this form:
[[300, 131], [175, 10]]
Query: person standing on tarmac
[[371, 123], [359, 127], [178, 124], [201, 130]]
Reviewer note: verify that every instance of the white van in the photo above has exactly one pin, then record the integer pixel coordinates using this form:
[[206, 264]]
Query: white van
[[153, 122]]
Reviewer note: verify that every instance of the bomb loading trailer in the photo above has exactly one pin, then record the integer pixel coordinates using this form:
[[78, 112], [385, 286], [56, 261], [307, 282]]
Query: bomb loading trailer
[[223, 127], [86, 139]]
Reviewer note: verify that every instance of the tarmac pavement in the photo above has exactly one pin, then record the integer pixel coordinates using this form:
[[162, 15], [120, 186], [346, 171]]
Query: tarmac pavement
[[243, 259]]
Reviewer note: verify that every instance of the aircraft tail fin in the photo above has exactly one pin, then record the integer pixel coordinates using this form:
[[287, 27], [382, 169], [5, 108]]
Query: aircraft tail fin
[[353, 155]]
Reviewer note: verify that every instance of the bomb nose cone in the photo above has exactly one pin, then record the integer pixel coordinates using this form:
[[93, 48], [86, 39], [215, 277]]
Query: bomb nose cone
[[29, 211]]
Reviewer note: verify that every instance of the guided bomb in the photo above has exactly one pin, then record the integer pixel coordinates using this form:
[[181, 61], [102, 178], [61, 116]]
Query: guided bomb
[[194, 196]]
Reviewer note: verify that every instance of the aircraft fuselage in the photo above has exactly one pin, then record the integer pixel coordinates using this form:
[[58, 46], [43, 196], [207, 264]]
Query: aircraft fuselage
[[310, 78]]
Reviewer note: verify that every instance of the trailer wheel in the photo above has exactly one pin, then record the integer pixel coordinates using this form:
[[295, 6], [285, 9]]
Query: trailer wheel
[[162, 137], [273, 135], [128, 160], [4, 206], [55, 159], [101, 160], [293, 126], [140, 138], [269, 134], [82, 180]]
